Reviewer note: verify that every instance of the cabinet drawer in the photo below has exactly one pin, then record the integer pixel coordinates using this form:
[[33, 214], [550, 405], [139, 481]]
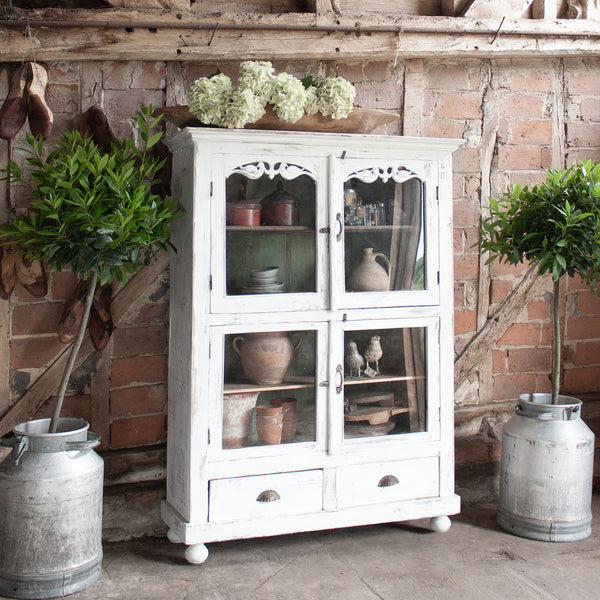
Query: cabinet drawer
[[266, 495], [387, 482]]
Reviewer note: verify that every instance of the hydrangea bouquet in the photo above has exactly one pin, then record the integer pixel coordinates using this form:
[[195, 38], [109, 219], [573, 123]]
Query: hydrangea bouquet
[[215, 101]]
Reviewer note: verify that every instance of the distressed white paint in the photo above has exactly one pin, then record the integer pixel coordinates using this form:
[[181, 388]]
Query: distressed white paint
[[328, 482]]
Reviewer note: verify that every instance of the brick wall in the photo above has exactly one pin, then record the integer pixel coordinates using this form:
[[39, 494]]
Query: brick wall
[[517, 117]]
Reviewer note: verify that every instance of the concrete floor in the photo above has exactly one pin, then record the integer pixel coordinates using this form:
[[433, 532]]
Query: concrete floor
[[474, 560]]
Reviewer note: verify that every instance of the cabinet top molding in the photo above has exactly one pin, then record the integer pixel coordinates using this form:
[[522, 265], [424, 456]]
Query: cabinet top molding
[[124, 34]]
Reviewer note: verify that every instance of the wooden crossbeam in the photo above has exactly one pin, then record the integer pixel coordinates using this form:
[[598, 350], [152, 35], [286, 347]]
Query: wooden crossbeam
[[492, 9]]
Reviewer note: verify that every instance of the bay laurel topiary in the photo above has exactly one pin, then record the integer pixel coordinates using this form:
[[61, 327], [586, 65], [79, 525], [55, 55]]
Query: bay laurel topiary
[[93, 212], [555, 225]]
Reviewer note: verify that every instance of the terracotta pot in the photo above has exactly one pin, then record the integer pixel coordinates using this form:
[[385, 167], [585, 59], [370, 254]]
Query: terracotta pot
[[289, 418], [266, 357], [280, 208], [370, 276], [237, 418], [243, 213], [269, 424]]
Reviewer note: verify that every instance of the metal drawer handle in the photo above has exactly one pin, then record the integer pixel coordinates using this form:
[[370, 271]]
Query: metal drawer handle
[[268, 496], [388, 481]]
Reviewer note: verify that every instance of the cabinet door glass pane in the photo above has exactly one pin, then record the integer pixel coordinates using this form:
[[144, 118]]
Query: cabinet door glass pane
[[269, 391], [384, 382], [271, 232], [384, 232]]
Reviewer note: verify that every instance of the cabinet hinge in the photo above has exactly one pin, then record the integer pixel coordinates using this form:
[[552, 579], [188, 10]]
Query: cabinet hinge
[[324, 230], [211, 189], [324, 383], [209, 436], [210, 282], [438, 277], [437, 193]]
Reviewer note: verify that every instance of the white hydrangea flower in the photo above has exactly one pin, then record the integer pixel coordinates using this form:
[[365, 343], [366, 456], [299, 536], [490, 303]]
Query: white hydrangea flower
[[208, 96], [257, 76], [311, 104], [336, 97], [243, 107], [288, 97]]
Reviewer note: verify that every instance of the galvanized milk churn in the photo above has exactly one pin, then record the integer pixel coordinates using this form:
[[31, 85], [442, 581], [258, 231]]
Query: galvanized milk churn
[[546, 471], [50, 510]]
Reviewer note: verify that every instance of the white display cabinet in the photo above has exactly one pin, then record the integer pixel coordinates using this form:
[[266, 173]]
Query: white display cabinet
[[312, 291]]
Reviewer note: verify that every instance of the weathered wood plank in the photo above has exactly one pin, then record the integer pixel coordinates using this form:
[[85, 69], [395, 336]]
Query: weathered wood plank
[[492, 9], [544, 9], [299, 39], [48, 382], [482, 342], [168, 4], [395, 7]]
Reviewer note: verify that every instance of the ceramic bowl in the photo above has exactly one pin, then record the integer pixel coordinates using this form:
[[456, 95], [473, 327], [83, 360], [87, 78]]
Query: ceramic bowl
[[263, 273]]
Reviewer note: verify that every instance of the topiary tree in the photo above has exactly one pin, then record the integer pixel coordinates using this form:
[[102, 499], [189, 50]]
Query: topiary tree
[[555, 224], [93, 212]]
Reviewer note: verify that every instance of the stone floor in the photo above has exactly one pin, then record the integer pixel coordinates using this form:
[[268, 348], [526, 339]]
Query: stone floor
[[474, 560]]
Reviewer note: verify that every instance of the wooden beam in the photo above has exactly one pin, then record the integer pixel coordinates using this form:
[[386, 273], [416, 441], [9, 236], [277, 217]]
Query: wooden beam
[[544, 9], [492, 9], [482, 342], [120, 34], [136, 291]]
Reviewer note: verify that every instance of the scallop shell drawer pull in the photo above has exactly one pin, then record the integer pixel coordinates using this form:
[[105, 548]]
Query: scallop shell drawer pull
[[388, 481], [268, 496]]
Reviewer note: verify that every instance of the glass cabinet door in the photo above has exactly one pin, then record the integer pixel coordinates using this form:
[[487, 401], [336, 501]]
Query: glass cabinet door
[[271, 215], [270, 394], [385, 382], [389, 231]]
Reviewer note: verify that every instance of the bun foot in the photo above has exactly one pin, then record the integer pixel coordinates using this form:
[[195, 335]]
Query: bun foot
[[196, 554]]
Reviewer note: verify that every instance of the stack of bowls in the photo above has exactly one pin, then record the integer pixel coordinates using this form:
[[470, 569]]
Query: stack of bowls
[[264, 281]]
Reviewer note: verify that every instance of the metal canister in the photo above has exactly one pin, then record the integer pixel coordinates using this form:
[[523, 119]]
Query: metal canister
[[546, 473], [51, 488]]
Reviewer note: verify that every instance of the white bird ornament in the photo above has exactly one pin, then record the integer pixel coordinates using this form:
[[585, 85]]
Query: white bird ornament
[[354, 361], [374, 353]]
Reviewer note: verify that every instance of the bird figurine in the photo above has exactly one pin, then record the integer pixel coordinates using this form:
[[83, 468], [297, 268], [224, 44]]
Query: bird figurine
[[354, 361], [374, 353]]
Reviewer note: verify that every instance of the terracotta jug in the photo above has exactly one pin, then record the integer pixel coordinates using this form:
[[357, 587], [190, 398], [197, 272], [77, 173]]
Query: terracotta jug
[[266, 357], [288, 405], [269, 424], [370, 276]]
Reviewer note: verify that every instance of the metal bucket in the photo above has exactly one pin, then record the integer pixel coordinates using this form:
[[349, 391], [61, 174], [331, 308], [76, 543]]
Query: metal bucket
[[50, 510], [546, 471]]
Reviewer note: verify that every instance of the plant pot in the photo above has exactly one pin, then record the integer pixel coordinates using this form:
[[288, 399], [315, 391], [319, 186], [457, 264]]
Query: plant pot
[[51, 489], [237, 418], [288, 405], [546, 471], [266, 357], [269, 424]]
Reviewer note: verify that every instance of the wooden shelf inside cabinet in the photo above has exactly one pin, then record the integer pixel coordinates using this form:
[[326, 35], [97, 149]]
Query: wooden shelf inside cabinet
[[292, 383], [361, 228], [383, 379], [261, 229]]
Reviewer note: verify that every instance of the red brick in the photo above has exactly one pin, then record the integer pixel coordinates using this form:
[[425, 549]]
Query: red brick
[[34, 352], [123, 104], [351, 72], [142, 400], [465, 212], [590, 109], [459, 106], [576, 283], [441, 128], [525, 360], [465, 321], [140, 431], [538, 309], [544, 383], [508, 387], [587, 353], [450, 77], [74, 406], [386, 95], [588, 303], [466, 160], [581, 380], [532, 80], [134, 75], [531, 132], [36, 318], [24, 296], [499, 361], [521, 335], [466, 266], [146, 369], [153, 312], [500, 288], [584, 135], [140, 341], [469, 450], [502, 269], [376, 71], [63, 285], [523, 105], [583, 328], [519, 157], [63, 98], [585, 82]]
